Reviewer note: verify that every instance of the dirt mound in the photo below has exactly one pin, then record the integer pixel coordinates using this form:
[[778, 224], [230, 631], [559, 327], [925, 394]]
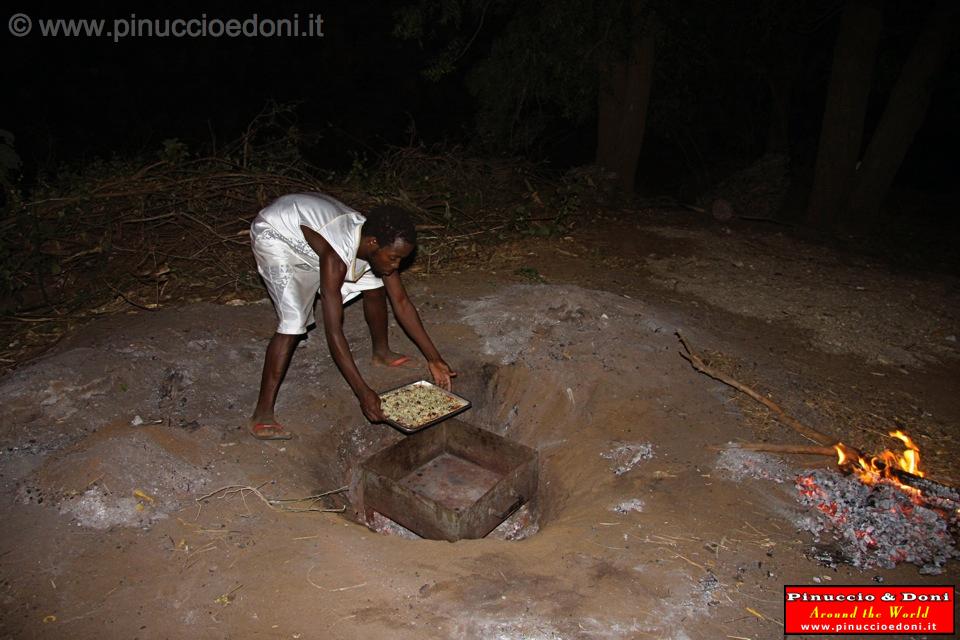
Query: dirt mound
[[120, 476]]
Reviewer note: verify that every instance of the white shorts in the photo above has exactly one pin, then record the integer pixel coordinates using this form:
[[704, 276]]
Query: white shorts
[[293, 283]]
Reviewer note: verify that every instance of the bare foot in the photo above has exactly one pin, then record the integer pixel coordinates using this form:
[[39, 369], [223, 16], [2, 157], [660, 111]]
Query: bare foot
[[390, 359], [262, 418], [265, 427], [271, 431]]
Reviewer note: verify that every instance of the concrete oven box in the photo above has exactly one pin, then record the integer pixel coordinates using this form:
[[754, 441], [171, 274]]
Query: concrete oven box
[[450, 482]]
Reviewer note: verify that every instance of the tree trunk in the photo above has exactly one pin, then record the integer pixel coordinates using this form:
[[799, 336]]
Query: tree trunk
[[903, 115], [841, 134], [623, 103]]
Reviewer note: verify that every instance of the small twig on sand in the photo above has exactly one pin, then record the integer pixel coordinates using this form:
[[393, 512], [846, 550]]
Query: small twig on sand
[[314, 584], [313, 497], [688, 560], [782, 416], [128, 300], [274, 503], [227, 598], [763, 617]]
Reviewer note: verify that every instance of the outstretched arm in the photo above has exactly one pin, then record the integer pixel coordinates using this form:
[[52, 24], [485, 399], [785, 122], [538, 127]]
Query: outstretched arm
[[409, 319], [332, 274]]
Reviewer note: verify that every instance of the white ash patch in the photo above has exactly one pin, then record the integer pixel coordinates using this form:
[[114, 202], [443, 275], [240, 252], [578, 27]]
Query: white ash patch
[[629, 506], [737, 464], [498, 628], [528, 627], [96, 509], [627, 456], [709, 586], [879, 525]]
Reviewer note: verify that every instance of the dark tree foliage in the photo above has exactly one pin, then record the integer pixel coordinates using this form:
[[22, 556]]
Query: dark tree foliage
[[531, 65], [725, 77]]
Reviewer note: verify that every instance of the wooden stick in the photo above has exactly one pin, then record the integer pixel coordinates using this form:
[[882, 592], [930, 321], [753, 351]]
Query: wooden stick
[[807, 432], [785, 448], [927, 486]]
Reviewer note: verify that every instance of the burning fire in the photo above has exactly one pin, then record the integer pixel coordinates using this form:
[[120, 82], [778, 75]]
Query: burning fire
[[884, 466]]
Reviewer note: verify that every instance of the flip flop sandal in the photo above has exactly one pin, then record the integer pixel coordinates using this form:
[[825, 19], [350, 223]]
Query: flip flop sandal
[[270, 431], [399, 362]]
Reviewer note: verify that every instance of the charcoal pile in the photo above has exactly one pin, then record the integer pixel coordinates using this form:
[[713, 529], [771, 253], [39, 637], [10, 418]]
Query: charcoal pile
[[880, 525]]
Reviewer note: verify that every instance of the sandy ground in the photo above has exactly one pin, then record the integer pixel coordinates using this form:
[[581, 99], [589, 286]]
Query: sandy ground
[[566, 345]]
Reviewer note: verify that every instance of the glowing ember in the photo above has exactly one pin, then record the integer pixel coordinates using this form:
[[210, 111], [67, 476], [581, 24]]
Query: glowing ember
[[877, 525]]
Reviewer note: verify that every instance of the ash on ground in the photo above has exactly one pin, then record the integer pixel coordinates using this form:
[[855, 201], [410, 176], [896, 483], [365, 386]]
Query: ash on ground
[[627, 506], [100, 510], [737, 464], [627, 456], [710, 585], [879, 525]]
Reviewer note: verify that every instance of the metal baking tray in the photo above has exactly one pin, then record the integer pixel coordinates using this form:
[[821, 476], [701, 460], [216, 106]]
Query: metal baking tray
[[423, 383]]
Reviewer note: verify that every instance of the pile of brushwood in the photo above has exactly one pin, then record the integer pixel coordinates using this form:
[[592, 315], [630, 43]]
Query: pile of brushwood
[[134, 234]]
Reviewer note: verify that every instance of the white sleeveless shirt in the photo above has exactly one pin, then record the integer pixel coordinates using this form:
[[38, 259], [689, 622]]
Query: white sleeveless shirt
[[337, 223]]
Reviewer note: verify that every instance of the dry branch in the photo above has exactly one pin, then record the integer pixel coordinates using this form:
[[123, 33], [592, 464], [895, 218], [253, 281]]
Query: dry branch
[[785, 448], [807, 432], [277, 504]]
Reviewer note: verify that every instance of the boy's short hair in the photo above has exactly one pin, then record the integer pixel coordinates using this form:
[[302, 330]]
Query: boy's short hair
[[389, 223]]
